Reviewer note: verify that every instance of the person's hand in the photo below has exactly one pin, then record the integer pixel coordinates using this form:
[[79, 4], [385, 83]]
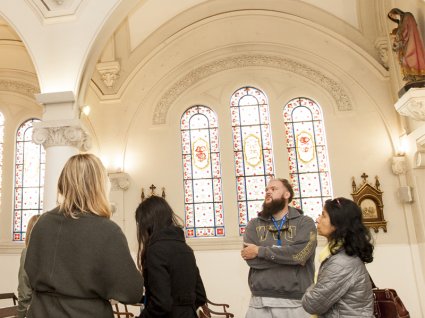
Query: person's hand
[[250, 251]]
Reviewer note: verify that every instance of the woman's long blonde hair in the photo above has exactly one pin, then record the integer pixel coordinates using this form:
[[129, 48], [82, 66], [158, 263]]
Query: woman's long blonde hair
[[82, 187], [30, 226]]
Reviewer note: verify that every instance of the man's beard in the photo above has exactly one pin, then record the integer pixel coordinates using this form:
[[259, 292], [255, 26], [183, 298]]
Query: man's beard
[[273, 207]]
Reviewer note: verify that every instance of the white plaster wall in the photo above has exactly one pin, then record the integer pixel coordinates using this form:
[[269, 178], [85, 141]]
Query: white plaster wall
[[9, 265]]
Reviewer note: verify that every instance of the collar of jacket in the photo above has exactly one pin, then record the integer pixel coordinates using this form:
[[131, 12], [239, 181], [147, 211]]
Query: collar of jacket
[[293, 213], [169, 233], [328, 256]]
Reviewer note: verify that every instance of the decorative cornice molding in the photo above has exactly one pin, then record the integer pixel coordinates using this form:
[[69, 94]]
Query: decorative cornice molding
[[240, 61], [55, 10], [19, 87], [381, 45], [9, 248], [62, 136]]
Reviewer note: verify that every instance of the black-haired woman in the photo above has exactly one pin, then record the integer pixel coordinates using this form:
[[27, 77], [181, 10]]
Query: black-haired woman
[[343, 287], [173, 285]]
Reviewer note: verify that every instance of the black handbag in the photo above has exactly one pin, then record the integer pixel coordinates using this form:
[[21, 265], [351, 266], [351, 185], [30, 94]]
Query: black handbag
[[387, 304]]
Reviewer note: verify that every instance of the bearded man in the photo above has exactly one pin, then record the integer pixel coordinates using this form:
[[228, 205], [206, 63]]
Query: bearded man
[[279, 248]]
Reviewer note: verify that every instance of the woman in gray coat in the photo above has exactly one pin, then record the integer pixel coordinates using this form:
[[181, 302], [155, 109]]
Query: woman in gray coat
[[343, 287]]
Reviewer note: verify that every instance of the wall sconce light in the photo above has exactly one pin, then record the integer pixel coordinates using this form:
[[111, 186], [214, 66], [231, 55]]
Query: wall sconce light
[[403, 145], [85, 110]]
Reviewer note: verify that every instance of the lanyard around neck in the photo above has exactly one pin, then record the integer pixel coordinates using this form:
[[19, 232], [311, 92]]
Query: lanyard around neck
[[279, 227]]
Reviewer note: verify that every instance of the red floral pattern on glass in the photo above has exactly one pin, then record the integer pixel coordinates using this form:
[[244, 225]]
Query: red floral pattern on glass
[[252, 146], [203, 198], [29, 179], [308, 155]]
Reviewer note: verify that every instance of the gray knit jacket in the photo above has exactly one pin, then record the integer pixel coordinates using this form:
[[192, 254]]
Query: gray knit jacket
[[282, 271]]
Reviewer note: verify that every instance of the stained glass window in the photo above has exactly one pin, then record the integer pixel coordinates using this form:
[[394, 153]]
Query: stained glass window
[[203, 196], [308, 155], [252, 146], [29, 179]]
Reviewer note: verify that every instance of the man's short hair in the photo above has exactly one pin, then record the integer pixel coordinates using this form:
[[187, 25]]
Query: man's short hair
[[288, 187]]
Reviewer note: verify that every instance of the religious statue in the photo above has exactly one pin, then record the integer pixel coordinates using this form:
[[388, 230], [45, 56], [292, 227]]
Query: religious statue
[[409, 45]]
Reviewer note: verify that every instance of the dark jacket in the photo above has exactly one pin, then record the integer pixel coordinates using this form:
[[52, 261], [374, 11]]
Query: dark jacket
[[343, 289], [282, 271], [76, 265], [173, 285], [24, 287]]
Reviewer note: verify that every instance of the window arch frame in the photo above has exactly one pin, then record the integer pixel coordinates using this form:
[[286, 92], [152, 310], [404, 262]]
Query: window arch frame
[[190, 186], [250, 198], [319, 154], [20, 220]]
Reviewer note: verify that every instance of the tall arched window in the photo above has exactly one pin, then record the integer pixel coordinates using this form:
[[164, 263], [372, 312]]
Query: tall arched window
[[29, 179], [1, 150], [308, 155], [252, 146], [203, 196]]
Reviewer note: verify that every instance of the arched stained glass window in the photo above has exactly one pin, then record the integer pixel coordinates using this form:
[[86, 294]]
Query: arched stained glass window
[[252, 146], [203, 196], [29, 179], [1, 149], [308, 155]]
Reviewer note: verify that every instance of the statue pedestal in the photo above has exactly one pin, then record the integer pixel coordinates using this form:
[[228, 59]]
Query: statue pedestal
[[412, 104], [405, 88]]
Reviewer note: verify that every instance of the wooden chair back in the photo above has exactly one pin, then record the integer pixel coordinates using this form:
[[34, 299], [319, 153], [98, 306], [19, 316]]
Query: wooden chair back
[[121, 311], [10, 296], [209, 310]]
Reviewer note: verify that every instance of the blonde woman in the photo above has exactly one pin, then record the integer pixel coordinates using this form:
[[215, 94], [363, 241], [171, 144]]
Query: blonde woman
[[78, 259], [24, 287]]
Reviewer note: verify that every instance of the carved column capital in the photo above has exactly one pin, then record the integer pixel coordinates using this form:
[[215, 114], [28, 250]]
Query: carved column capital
[[399, 165], [49, 136], [119, 181], [109, 72]]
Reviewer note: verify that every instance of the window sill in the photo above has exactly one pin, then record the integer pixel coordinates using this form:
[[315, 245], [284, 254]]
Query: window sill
[[11, 247], [215, 243]]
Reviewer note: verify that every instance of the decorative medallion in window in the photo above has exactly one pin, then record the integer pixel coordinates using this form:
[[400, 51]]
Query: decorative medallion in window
[[369, 199], [309, 169], [252, 146]]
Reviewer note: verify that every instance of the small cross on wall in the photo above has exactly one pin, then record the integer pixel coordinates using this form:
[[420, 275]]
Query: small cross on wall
[[152, 187]]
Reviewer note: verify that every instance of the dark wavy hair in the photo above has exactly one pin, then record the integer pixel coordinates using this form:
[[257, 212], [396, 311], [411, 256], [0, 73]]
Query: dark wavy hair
[[152, 215], [346, 217]]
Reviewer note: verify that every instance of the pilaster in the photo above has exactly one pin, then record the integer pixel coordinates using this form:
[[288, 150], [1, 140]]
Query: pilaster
[[62, 135]]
